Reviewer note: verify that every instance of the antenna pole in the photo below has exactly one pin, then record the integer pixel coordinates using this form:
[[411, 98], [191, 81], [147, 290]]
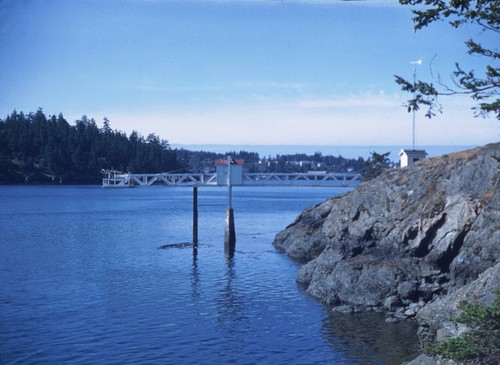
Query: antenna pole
[[414, 85]]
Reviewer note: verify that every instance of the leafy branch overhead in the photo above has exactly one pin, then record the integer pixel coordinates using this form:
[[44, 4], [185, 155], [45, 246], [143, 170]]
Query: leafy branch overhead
[[424, 94], [485, 88]]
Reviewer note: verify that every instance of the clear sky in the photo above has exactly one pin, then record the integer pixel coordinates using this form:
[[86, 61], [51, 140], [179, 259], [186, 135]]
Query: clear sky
[[233, 71]]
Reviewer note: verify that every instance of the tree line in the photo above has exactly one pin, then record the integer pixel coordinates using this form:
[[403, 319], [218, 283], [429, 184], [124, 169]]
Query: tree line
[[200, 161], [35, 148]]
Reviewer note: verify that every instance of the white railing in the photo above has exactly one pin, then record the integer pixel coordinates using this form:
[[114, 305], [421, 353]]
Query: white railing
[[119, 180], [309, 178]]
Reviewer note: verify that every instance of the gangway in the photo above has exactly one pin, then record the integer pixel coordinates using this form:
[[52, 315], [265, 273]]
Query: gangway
[[306, 179], [114, 179], [120, 180]]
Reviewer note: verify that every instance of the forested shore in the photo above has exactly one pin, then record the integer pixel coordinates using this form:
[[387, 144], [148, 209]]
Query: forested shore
[[36, 148]]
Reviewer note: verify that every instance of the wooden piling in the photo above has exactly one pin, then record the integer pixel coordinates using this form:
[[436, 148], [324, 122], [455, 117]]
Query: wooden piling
[[229, 234], [195, 217]]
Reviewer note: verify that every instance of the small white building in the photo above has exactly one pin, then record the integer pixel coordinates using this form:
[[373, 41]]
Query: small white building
[[409, 157], [222, 168]]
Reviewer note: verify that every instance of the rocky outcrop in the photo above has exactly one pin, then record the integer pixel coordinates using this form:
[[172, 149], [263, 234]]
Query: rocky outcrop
[[304, 240], [435, 318], [405, 239]]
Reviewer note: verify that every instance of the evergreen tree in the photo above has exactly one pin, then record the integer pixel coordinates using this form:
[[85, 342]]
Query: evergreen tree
[[35, 148]]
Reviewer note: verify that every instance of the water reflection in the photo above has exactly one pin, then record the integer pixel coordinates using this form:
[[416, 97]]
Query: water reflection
[[120, 300], [367, 339], [230, 303], [195, 276]]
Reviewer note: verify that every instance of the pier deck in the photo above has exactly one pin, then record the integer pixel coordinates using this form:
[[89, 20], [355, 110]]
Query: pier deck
[[119, 180]]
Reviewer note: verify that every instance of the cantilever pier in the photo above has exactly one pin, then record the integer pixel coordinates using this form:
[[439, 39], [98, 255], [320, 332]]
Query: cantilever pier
[[228, 173], [313, 178]]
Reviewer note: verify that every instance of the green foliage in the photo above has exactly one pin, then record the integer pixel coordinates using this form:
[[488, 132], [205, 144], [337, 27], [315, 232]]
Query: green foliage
[[484, 14], [198, 161], [39, 149], [35, 148], [481, 343], [376, 165]]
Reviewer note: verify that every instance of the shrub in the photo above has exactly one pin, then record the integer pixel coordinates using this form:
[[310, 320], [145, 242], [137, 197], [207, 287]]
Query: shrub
[[481, 343]]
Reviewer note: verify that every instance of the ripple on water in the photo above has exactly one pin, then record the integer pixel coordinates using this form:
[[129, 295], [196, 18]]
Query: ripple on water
[[83, 281]]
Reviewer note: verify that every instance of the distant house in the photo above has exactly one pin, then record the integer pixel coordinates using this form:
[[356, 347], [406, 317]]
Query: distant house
[[409, 157], [221, 168]]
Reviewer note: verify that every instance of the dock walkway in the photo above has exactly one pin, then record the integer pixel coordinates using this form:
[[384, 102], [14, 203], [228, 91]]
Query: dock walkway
[[120, 180]]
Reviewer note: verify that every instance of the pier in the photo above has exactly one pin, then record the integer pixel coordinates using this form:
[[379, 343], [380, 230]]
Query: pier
[[314, 178]]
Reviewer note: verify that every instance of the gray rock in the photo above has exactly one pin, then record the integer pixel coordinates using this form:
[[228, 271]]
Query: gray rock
[[422, 360], [391, 302], [425, 235], [427, 360], [415, 233], [400, 313], [410, 312], [408, 290], [304, 240], [343, 309], [437, 315], [427, 290], [391, 320]]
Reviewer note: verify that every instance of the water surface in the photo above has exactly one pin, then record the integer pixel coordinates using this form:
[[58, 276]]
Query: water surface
[[83, 281]]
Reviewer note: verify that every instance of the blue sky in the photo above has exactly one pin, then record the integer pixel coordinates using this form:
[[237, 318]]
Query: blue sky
[[235, 72]]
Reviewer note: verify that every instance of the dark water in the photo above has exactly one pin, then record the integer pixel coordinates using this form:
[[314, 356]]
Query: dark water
[[82, 281]]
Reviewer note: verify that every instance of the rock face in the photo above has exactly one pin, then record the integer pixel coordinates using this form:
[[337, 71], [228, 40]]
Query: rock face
[[404, 239]]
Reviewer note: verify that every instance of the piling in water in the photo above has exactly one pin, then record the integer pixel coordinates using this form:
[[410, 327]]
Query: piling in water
[[195, 217], [229, 233]]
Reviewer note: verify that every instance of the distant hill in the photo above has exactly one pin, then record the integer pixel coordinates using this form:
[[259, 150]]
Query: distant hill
[[348, 152]]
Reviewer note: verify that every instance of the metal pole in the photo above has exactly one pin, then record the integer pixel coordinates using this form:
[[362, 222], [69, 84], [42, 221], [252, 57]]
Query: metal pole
[[414, 85]]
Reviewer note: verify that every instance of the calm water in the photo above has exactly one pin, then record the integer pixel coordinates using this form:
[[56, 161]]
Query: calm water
[[82, 281]]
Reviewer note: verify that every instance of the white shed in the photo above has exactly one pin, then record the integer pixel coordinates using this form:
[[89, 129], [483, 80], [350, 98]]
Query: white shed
[[221, 168], [409, 157]]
